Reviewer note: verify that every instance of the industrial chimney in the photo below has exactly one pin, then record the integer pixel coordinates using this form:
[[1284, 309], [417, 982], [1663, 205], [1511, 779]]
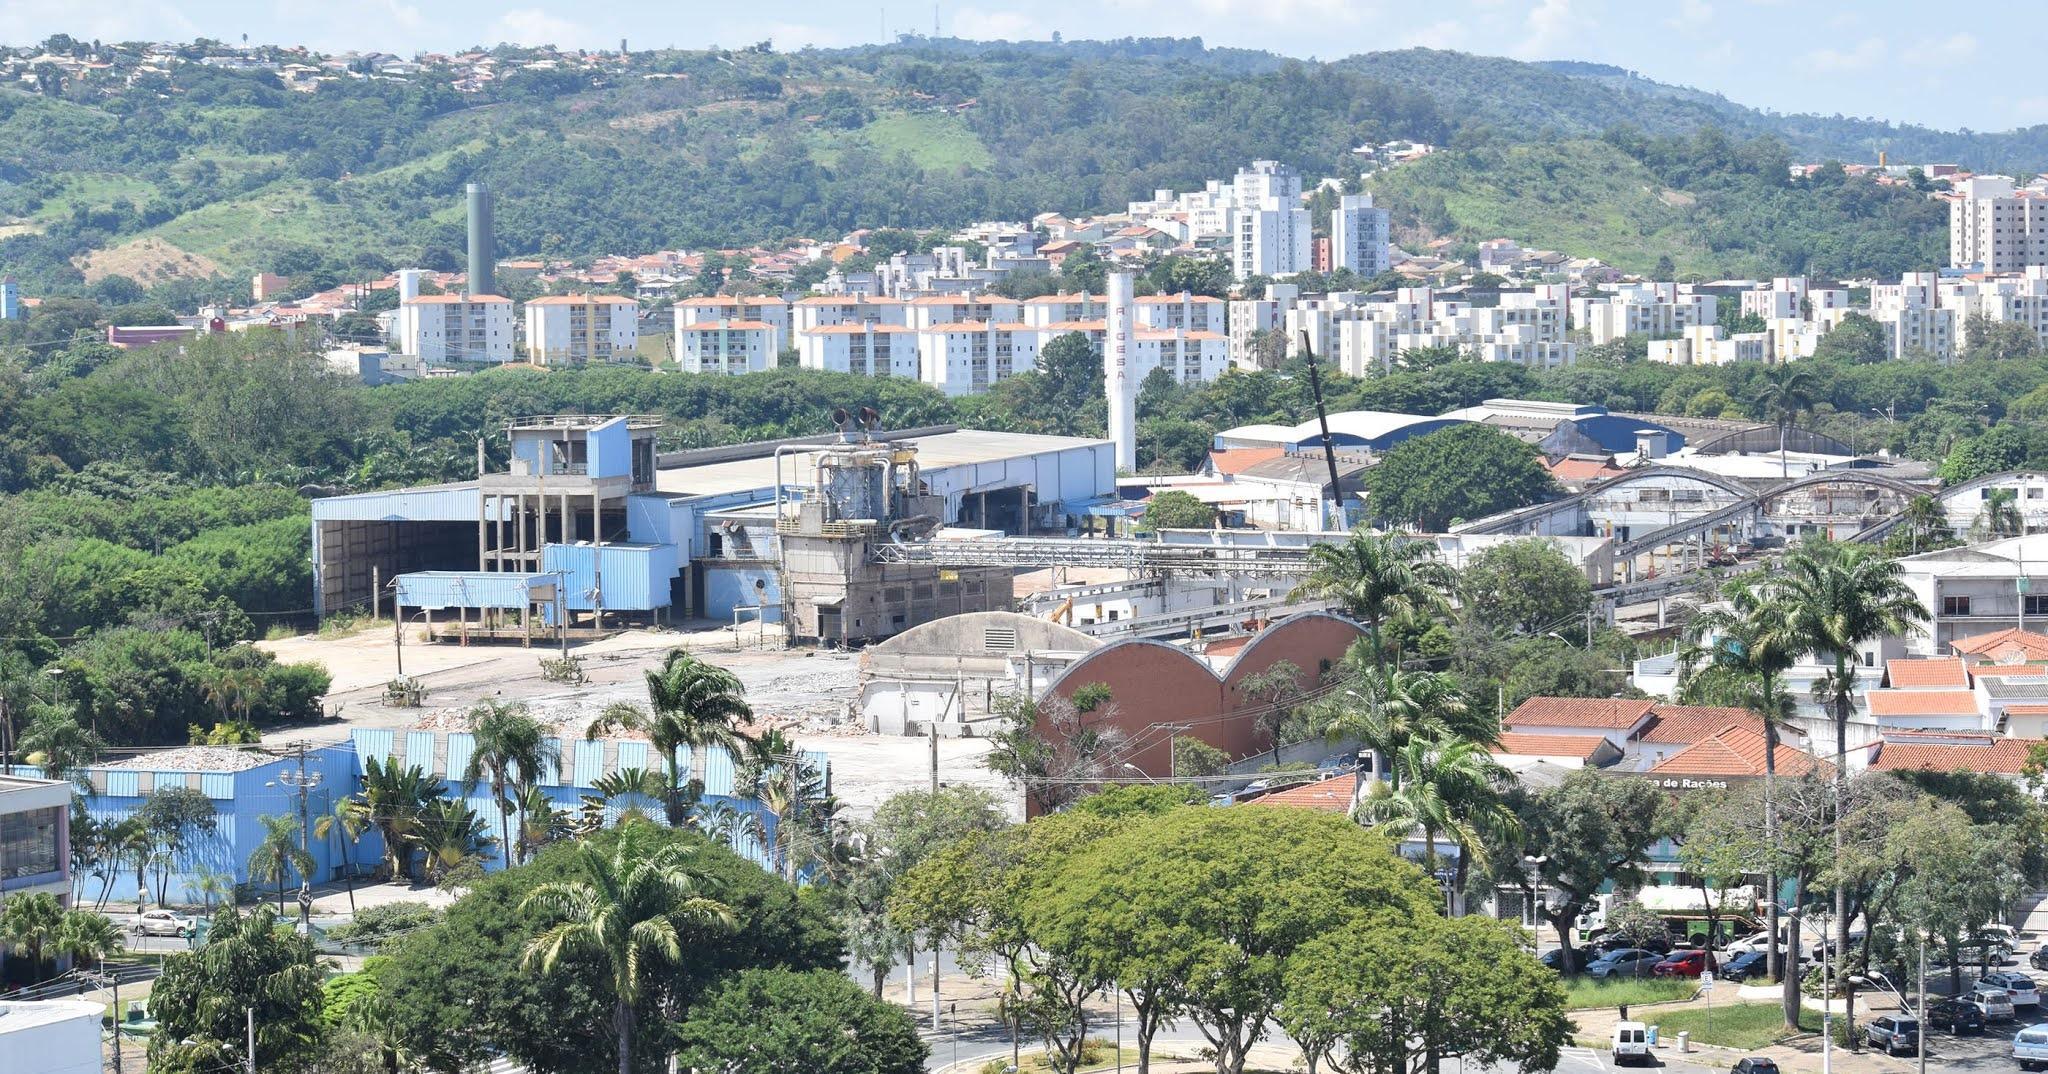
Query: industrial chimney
[[1116, 374], [483, 252]]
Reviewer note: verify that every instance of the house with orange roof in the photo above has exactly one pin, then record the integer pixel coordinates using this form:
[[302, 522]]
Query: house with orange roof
[[1615, 719], [1730, 756], [1565, 751], [1899, 751], [2003, 647]]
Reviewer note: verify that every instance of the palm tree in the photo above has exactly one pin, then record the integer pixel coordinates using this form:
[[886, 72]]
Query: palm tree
[[1452, 787], [279, 853], [349, 823], [55, 743], [2001, 516], [453, 835], [1786, 393], [633, 785], [1752, 637], [1371, 576], [1925, 519], [32, 922], [510, 751], [693, 704], [235, 691], [1841, 597], [540, 823], [86, 937], [729, 824], [1402, 704], [625, 908], [394, 801]]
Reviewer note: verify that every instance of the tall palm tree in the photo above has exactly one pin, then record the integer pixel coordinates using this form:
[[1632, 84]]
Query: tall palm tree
[[625, 908], [394, 801], [1371, 576], [1786, 393], [55, 743], [1402, 705], [1926, 520], [1452, 787], [349, 823], [1752, 636], [31, 922], [1841, 597], [634, 786], [86, 938], [540, 823], [691, 703], [2001, 516], [279, 854], [510, 750]]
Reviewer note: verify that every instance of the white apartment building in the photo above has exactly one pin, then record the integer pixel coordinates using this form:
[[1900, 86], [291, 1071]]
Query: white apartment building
[[965, 357], [1360, 235], [725, 347], [1250, 316], [2021, 299], [1191, 357], [1526, 327], [1196, 313], [772, 309], [1780, 301], [1270, 238], [1710, 344], [818, 311], [1266, 179], [570, 330], [1912, 317], [1643, 309], [874, 350], [1053, 309], [1975, 590], [922, 313], [1995, 228], [443, 329]]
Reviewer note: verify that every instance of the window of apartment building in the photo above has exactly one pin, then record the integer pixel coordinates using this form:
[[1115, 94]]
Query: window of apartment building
[[28, 843], [2035, 604], [1955, 605]]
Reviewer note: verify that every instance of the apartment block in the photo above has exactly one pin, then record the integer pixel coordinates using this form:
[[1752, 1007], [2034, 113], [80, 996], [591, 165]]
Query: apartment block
[[874, 350], [1994, 228], [725, 347], [1710, 344], [1359, 236], [443, 329], [572, 330], [771, 309], [1645, 309], [1912, 317]]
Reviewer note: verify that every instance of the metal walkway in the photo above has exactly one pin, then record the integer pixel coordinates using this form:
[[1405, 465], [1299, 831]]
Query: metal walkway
[[1121, 553]]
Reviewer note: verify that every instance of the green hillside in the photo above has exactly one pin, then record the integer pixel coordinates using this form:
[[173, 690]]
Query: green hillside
[[208, 170]]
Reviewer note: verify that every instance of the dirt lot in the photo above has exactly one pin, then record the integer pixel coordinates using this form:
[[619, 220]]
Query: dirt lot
[[808, 694]]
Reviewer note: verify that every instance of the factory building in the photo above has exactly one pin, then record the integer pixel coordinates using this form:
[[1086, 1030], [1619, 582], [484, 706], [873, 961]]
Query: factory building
[[589, 528]]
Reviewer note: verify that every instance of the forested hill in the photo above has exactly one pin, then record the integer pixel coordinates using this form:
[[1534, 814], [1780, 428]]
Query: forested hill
[[206, 172]]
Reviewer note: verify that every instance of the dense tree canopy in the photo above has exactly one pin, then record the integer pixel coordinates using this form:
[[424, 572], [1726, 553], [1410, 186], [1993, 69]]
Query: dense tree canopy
[[1463, 472]]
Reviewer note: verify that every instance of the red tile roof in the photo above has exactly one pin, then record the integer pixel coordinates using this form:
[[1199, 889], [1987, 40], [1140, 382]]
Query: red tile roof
[[1238, 460], [1923, 703], [1619, 714], [2024, 644], [1940, 671], [1736, 750], [1583, 747], [2026, 710], [2005, 756], [1570, 469], [1683, 725], [1332, 795]]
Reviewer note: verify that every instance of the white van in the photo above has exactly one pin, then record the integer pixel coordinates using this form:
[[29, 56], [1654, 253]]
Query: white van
[[2030, 1047], [1631, 1043]]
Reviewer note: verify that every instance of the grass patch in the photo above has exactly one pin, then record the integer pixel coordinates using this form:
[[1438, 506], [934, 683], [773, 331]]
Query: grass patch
[[1745, 1026], [935, 141], [1586, 992]]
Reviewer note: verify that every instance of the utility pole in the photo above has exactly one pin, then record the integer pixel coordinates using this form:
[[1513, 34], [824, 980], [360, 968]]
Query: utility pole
[[934, 735], [108, 980], [1315, 387], [303, 782], [249, 1061]]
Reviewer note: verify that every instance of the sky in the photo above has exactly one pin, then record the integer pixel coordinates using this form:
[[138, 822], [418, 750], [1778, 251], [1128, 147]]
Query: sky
[[1884, 59]]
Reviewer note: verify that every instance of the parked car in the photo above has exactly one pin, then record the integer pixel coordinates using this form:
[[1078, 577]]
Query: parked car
[[1631, 1043], [2030, 1047], [1604, 944], [1744, 966], [1685, 964], [1955, 1016], [2039, 959], [1553, 959], [1896, 1034], [1995, 1002], [1754, 1064], [1627, 962], [2019, 985], [162, 923]]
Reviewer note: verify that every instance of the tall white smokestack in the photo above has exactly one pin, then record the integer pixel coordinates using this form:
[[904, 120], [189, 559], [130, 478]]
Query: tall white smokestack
[[409, 283], [1117, 380]]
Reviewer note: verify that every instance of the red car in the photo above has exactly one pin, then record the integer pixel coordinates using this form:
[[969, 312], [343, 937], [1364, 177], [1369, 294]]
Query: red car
[[1685, 964]]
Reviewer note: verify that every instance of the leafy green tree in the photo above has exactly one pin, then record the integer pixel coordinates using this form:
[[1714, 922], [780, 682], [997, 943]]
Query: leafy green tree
[[511, 751], [822, 1022], [394, 802], [87, 938], [1636, 925], [1194, 758], [907, 828], [1402, 998], [693, 704], [175, 819], [249, 962], [1176, 510], [1466, 471], [1584, 833], [624, 909], [2001, 448], [1524, 587]]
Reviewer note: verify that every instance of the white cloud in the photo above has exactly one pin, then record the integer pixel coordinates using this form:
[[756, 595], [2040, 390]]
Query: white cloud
[[1691, 15], [977, 25], [532, 26], [24, 22], [1297, 12], [1449, 33], [1863, 54], [1955, 48], [1549, 27]]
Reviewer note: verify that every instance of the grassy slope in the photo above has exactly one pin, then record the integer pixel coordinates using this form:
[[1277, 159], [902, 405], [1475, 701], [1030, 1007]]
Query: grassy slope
[[1584, 198]]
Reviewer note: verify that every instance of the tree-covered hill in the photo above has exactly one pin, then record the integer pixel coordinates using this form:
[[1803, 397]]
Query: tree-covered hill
[[208, 171]]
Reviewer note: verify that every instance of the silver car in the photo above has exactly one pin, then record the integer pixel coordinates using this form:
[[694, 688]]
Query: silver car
[[2018, 985], [1995, 1002], [162, 923]]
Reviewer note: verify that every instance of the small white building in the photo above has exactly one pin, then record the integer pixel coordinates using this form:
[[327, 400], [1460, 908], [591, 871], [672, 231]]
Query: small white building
[[874, 350], [58, 1036], [444, 329], [767, 308], [572, 330], [1710, 344], [725, 347]]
